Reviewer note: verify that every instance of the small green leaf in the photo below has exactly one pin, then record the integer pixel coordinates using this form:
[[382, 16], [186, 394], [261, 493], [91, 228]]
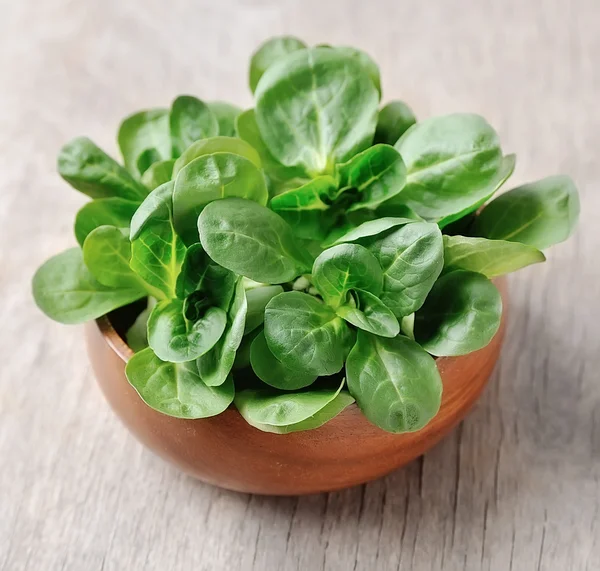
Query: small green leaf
[[157, 252], [488, 257], [190, 120], [344, 267], [539, 214], [270, 52], [376, 175], [281, 413], [407, 326], [180, 331], [251, 241], [258, 298], [305, 334], [395, 383], [158, 173], [217, 145], [367, 312], [372, 228], [200, 273], [137, 335], [148, 158], [451, 162], [226, 114], [295, 116], [176, 389], [273, 372], [103, 212], [106, 253], [412, 258], [366, 62], [90, 170], [65, 290], [304, 208], [393, 121], [215, 366], [209, 178], [461, 315], [142, 131]]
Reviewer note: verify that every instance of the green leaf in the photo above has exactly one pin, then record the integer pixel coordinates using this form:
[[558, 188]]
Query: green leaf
[[488, 257], [180, 331], [407, 326], [268, 53], [273, 372], [103, 212], [305, 334], [158, 173], [393, 121], [210, 178], [304, 208], [376, 174], [148, 158], [200, 273], [395, 383], [367, 312], [226, 114], [157, 252], [412, 258], [251, 241], [190, 120], [281, 413], [461, 314], [506, 170], [217, 145], [258, 298], [137, 335], [142, 131], [539, 214], [451, 162], [215, 366], [106, 253], [372, 228], [316, 108], [366, 62], [344, 267], [176, 389], [90, 170], [65, 290], [280, 177]]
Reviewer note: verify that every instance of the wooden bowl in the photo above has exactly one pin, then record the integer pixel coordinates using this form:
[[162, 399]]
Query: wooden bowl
[[226, 451]]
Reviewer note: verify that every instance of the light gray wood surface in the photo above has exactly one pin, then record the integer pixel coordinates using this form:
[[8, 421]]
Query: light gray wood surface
[[515, 487]]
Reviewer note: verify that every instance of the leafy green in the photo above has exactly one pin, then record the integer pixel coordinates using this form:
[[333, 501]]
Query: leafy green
[[103, 211], [215, 366], [226, 114], [282, 413], [257, 299], [158, 173], [305, 334], [90, 170], [142, 131], [488, 257], [273, 372], [412, 258], [180, 331], [461, 314], [176, 389], [372, 228], [393, 121], [190, 120], [137, 335], [451, 162], [296, 117], [268, 53], [65, 290], [251, 240], [395, 383], [345, 267], [539, 214], [366, 311], [209, 178]]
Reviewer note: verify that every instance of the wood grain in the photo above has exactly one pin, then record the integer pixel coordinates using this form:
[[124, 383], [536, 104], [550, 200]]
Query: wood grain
[[517, 486]]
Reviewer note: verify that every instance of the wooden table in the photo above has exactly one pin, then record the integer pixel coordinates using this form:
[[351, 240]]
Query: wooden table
[[515, 487]]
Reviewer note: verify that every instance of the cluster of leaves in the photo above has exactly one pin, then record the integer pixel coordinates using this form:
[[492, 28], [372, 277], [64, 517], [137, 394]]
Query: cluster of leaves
[[310, 252]]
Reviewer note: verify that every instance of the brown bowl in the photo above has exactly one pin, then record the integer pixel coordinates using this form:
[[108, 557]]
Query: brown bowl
[[226, 451]]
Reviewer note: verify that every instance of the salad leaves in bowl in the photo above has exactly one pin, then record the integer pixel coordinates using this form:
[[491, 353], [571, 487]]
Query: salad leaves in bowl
[[287, 261]]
